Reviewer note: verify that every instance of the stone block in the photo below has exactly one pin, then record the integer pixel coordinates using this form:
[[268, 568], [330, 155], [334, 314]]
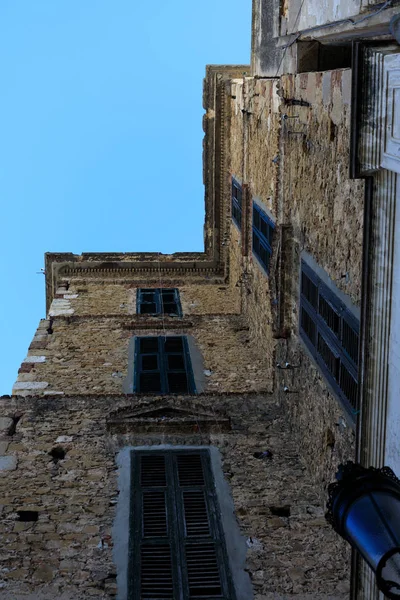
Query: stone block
[[5, 423], [30, 385], [8, 463], [25, 368], [34, 359], [3, 448], [38, 345], [44, 573], [22, 526]]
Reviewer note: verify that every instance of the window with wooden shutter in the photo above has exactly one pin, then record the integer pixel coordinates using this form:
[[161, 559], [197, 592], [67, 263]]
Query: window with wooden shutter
[[163, 365], [263, 229], [331, 333], [177, 549], [158, 301], [237, 203]]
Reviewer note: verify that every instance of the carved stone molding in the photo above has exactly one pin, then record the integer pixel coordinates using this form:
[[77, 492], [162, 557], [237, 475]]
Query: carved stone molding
[[379, 144], [391, 142], [161, 416]]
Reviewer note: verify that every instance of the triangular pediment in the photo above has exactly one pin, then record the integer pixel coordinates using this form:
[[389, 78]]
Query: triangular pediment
[[161, 412], [165, 414]]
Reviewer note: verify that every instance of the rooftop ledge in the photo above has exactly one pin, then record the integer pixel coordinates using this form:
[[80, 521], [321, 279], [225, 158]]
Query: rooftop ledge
[[122, 265]]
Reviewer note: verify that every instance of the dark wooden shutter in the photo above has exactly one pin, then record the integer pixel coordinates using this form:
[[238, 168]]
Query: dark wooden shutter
[[177, 548], [158, 301], [147, 301], [350, 337], [263, 229], [237, 203], [148, 365], [170, 302], [331, 333], [175, 364], [163, 365], [151, 550]]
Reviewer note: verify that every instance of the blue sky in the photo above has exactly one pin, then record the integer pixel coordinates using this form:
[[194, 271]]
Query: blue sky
[[101, 135]]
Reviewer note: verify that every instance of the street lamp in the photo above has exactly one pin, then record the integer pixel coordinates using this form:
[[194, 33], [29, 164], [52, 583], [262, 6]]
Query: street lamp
[[364, 508]]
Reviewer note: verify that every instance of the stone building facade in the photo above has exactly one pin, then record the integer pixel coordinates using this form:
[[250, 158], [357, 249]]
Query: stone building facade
[[68, 428], [279, 194]]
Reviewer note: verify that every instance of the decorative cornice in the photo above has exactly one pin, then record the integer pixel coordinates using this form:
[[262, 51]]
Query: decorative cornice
[[170, 324], [125, 269]]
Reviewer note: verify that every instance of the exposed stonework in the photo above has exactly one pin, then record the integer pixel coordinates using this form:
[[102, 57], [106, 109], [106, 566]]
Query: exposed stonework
[[325, 212], [295, 160], [69, 548], [102, 298], [91, 355]]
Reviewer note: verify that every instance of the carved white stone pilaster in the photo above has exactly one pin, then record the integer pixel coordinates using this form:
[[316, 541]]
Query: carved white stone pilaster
[[391, 141], [374, 146]]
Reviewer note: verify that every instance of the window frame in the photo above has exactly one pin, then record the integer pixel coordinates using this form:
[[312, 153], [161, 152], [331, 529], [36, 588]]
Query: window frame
[[261, 238], [237, 203], [163, 366], [158, 301], [175, 536], [332, 336]]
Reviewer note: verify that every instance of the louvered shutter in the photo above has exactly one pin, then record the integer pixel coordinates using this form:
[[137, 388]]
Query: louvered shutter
[[330, 332], [151, 549], [237, 203], [263, 229], [177, 547]]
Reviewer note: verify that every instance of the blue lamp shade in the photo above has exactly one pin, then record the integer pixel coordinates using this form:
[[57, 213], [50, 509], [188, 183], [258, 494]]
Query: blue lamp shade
[[364, 508]]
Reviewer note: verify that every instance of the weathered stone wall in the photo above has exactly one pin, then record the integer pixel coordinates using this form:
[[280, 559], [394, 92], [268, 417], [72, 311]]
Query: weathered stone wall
[[255, 137], [253, 146], [317, 208], [103, 298], [90, 355], [324, 211], [323, 206], [315, 13], [237, 129], [325, 437], [68, 552]]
